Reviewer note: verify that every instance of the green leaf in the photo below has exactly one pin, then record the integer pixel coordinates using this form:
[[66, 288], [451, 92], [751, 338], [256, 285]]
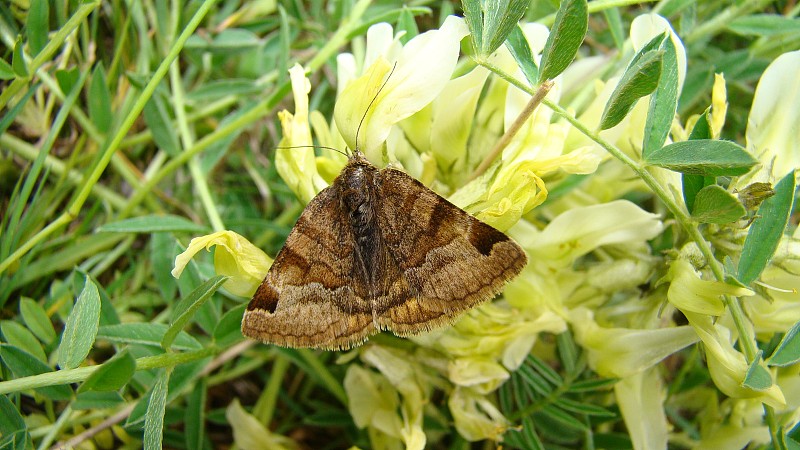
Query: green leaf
[[764, 25], [693, 183], [185, 309], [152, 224], [567, 352], [561, 417], [545, 371], [663, 101], [18, 440], [701, 129], [149, 334], [97, 400], [36, 320], [67, 79], [757, 377], [706, 157], [162, 256], [194, 417], [615, 26], [81, 327], [232, 41], [229, 328], [99, 100], [474, 18], [716, 205], [18, 60], [10, 418], [406, 24], [6, 71], [38, 25], [592, 385], [23, 364], [521, 51], [8, 118], [17, 335], [639, 79], [499, 18], [154, 418], [214, 90], [793, 437], [161, 125], [766, 231], [534, 380], [112, 375], [788, 351], [583, 408], [566, 37]]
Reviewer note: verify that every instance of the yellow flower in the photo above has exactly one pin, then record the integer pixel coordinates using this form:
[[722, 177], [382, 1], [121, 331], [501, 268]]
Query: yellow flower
[[234, 256], [475, 417], [727, 366], [641, 399], [719, 106], [480, 373], [295, 163], [623, 352], [772, 127], [688, 292], [581, 230], [374, 406], [423, 67], [372, 401], [251, 434]]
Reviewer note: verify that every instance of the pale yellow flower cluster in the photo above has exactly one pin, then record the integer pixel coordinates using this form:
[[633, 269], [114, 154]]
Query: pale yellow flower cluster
[[586, 265]]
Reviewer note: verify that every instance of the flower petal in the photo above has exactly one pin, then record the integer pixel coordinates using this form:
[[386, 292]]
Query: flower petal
[[234, 256], [297, 166], [480, 373], [424, 66], [774, 121], [475, 417], [249, 433], [727, 366], [623, 352], [581, 230], [641, 399]]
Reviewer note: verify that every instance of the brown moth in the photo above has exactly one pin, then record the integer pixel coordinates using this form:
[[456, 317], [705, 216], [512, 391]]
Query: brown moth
[[377, 250]]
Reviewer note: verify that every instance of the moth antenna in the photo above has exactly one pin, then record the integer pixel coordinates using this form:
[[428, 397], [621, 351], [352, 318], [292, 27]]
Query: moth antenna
[[358, 130], [315, 146]]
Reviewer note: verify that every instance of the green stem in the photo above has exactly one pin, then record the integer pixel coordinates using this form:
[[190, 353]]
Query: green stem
[[722, 20], [48, 439], [265, 406], [68, 376]]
